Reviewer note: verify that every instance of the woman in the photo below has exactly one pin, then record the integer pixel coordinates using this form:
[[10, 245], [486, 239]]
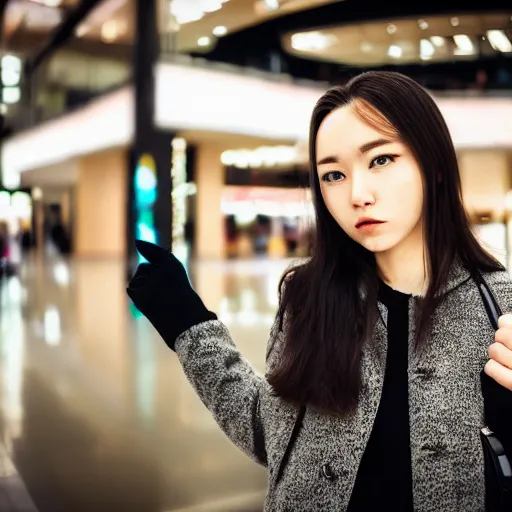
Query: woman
[[372, 392]]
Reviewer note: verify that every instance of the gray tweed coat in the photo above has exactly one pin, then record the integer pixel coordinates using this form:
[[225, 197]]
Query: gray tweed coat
[[445, 403]]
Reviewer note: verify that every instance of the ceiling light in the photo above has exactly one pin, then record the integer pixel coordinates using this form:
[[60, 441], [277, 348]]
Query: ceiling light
[[438, 41], [265, 156], [109, 31], [455, 21], [220, 31], [204, 41], [391, 28], [82, 29], [11, 62], [427, 49], [366, 47], [37, 193], [422, 24], [395, 51], [311, 41], [271, 5], [11, 95], [187, 11], [186, 16], [464, 45], [499, 41], [211, 5]]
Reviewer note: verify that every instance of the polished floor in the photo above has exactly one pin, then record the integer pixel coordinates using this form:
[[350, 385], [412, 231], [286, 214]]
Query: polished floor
[[96, 413]]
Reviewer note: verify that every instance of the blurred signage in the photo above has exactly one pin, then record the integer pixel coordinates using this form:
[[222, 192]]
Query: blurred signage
[[181, 189], [145, 187], [265, 156], [273, 202]]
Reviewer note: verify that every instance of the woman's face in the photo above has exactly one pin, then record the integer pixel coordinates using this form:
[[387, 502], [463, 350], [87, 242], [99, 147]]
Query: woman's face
[[364, 176]]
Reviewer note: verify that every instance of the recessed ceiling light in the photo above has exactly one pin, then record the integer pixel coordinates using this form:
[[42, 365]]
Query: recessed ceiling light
[[312, 41], [82, 29], [395, 51], [109, 31], [212, 6], [204, 41], [455, 21], [391, 28], [464, 45], [427, 49], [422, 24], [366, 47], [220, 31], [499, 41], [437, 41], [271, 5]]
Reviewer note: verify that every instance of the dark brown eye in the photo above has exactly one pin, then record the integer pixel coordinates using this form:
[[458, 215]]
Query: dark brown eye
[[382, 161], [333, 176]]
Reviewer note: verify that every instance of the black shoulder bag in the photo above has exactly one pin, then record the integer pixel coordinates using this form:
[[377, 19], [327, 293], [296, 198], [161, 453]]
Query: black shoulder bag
[[498, 472]]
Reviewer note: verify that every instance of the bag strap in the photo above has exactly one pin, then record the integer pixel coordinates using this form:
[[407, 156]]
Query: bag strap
[[491, 305], [494, 312]]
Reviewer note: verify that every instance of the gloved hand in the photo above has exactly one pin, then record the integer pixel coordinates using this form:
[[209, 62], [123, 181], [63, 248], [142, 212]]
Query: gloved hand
[[162, 292]]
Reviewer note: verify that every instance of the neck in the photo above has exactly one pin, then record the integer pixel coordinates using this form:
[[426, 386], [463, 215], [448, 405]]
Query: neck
[[403, 267]]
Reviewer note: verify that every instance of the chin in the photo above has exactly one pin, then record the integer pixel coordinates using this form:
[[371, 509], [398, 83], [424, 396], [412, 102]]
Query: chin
[[377, 245]]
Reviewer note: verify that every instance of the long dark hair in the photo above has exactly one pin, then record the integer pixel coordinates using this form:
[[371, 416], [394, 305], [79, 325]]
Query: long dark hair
[[328, 306]]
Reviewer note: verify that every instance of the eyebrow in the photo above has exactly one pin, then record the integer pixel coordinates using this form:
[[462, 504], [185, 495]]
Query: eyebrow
[[374, 144], [368, 146]]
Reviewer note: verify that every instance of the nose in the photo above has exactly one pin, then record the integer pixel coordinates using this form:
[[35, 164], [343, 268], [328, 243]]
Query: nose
[[362, 194]]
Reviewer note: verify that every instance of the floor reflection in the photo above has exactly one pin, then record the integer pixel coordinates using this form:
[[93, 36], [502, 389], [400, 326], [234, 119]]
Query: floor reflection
[[96, 412]]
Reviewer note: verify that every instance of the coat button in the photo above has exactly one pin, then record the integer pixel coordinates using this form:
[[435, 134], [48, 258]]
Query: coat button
[[425, 373], [327, 472]]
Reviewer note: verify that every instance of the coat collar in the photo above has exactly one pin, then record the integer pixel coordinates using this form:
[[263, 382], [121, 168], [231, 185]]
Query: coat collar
[[457, 275]]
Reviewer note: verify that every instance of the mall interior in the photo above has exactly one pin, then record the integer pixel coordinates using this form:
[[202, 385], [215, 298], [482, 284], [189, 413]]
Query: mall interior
[[185, 123]]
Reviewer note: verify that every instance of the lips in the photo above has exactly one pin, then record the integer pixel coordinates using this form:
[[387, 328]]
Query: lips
[[367, 222]]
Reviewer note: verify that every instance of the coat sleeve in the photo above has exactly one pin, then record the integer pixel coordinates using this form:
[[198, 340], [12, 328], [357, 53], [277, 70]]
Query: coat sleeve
[[227, 384]]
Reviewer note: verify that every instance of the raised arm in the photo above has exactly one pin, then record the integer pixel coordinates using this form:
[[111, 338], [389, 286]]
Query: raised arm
[[227, 384], [224, 381]]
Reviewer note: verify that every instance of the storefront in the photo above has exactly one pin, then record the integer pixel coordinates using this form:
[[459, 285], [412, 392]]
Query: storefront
[[265, 221]]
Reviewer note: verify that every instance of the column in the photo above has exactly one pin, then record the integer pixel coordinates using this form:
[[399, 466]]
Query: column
[[101, 205], [486, 179], [150, 144], [485, 176], [210, 239]]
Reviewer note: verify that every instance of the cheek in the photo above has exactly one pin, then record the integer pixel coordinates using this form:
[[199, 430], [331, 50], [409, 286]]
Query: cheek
[[338, 205], [409, 198]]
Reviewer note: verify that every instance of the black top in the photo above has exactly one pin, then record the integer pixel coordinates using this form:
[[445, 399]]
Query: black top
[[384, 479]]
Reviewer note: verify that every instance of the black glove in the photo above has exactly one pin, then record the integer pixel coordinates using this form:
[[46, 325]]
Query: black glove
[[162, 292]]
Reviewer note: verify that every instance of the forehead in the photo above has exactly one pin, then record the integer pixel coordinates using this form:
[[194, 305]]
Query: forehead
[[344, 129]]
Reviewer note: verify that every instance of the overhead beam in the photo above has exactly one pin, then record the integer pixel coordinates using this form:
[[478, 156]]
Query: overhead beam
[[62, 33]]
